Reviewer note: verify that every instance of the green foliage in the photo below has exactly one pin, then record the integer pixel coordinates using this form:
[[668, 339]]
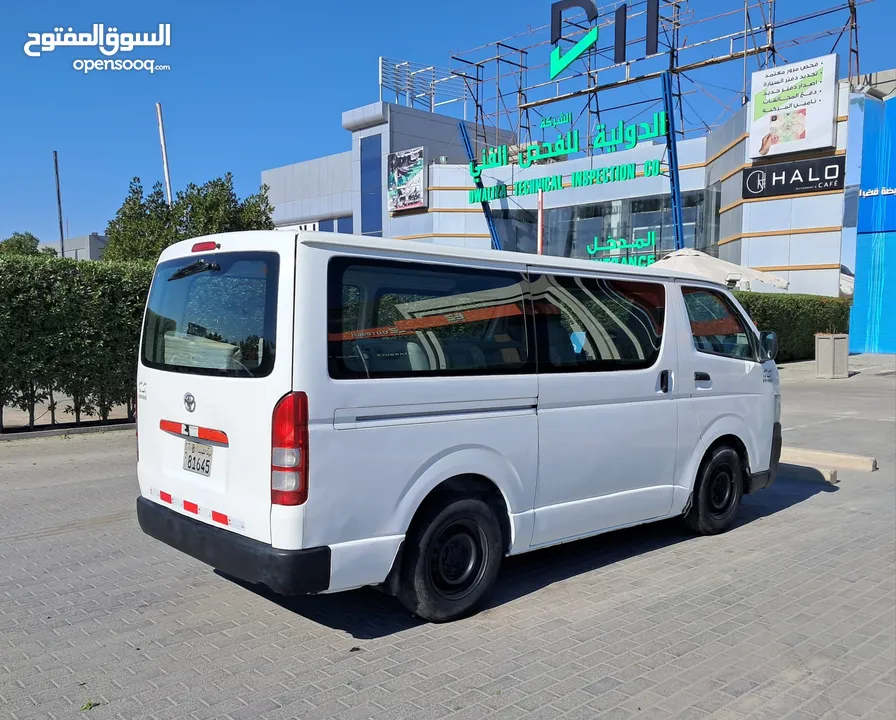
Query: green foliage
[[20, 243], [796, 319], [144, 225], [70, 327]]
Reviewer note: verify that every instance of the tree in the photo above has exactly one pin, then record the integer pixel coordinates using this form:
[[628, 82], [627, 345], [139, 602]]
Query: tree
[[144, 225], [20, 243]]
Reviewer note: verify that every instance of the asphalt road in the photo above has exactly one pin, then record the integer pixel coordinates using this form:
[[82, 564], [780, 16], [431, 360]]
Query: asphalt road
[[791, 615]]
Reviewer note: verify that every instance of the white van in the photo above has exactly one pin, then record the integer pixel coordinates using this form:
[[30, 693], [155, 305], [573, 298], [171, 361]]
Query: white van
[[319, 412]]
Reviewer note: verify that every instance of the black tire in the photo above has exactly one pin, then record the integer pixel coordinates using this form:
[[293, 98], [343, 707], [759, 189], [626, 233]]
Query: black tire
[[452, 557], [717, 493]]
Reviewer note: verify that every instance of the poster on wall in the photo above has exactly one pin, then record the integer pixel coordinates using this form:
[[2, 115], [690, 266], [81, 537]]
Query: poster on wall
[[407, 180], [794, 107]]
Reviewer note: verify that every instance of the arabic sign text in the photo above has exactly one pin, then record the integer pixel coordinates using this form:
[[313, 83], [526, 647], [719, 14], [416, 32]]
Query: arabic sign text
[[627, 137], [109, 40]]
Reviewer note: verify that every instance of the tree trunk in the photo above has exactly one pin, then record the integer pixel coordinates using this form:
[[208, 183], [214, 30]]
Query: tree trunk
[[31, 393], [52, 408]]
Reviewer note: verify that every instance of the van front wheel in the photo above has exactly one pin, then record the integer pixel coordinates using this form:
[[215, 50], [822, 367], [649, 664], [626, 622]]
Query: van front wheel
[[452, 559]]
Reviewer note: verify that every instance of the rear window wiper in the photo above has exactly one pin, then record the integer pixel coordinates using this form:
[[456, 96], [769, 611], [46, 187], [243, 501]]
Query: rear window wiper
[[193, 269]]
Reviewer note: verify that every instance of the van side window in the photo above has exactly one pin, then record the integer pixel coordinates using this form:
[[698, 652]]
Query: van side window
[[594, 324], [417, 320], [716, 326], [351, 307]]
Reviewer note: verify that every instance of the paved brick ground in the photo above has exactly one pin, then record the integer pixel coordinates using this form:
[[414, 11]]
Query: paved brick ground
[[792, 615]]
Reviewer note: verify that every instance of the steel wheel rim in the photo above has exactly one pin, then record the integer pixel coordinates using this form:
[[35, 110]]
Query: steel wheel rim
[[722, 491], [457, 559]]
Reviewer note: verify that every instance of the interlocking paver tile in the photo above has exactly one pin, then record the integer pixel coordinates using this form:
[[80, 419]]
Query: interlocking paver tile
[[791, 615]]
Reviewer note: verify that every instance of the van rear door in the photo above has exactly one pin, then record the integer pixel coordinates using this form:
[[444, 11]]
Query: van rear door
[[215, 358]]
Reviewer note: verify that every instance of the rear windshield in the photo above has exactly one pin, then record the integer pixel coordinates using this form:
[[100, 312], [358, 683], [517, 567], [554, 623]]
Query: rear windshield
[[213, 315]]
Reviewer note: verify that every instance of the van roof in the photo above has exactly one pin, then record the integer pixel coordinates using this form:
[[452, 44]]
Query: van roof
[[433, 250], [411, 250]]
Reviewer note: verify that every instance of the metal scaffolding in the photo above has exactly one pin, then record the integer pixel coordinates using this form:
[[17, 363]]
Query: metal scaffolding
[[505, 85]]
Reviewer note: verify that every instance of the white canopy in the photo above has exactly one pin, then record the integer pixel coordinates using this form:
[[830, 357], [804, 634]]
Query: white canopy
[[695, 262]]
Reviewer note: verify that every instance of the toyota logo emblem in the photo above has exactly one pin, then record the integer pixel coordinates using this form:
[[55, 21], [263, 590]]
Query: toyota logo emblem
[[189, 402], [756, 182]]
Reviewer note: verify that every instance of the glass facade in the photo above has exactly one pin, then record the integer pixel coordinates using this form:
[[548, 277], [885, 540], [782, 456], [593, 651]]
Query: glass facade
[[344, 225], [372, 185], [591, 231]]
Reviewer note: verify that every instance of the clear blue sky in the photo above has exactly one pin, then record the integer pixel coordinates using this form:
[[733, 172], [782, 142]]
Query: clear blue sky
[[253, 85]]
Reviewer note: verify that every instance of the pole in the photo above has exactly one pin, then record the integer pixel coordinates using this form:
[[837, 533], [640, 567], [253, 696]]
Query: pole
[[672, 149], [540, 248], [164, 151], [59, 205], [486, 208]]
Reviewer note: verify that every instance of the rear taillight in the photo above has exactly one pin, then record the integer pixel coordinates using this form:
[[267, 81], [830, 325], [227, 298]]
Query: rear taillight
[[289, 450]]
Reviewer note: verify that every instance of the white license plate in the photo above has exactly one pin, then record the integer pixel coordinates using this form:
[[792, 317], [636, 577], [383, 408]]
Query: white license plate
[[198, 458]]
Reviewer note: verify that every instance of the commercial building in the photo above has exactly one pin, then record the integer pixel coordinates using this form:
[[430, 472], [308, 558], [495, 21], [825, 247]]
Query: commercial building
[[786, 188], [84, 247]]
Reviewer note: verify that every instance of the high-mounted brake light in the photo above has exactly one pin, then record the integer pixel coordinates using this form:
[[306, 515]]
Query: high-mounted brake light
[[206, 246], [289, 450]]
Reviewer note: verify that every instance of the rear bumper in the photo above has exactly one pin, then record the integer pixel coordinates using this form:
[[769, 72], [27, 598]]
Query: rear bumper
[[288, 572], [761, 480]]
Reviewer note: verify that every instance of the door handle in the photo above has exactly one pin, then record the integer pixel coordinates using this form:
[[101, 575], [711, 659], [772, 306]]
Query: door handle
[[664, 381], [702, 377]]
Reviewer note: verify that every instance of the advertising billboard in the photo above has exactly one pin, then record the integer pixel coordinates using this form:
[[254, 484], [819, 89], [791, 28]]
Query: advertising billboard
[[794, 107], [794, 178], [407, 180]]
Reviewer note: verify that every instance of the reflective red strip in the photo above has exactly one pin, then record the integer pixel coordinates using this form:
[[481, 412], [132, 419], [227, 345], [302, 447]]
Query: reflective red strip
[[201, 433], [213, 435], [172, 427], [196, 509]]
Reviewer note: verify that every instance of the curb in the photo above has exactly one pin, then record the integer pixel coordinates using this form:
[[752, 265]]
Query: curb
[[56, 432], [809, 473], [822, 459]]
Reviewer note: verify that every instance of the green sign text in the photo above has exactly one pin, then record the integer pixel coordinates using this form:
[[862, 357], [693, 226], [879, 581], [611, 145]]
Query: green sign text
[[627, 137], [599, 176], [529, 187], [487, 194]]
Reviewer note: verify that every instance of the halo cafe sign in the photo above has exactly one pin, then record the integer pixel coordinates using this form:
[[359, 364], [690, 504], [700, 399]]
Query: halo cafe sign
[[794, 178], [616, 245]]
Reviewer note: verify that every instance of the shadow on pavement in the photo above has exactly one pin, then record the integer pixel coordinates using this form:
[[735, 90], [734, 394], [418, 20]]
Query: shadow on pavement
[[367, 614]]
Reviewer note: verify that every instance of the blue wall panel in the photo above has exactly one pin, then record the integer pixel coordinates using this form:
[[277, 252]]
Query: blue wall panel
[[872, 319]]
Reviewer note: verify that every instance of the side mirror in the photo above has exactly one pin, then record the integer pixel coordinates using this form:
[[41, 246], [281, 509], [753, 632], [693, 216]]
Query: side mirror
[[768, 345]]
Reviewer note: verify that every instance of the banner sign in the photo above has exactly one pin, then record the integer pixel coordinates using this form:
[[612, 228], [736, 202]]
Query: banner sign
[[794, 178], [794, 107]]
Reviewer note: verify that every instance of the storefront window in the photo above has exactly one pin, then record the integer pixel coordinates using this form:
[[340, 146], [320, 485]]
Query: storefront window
[[600, 230]]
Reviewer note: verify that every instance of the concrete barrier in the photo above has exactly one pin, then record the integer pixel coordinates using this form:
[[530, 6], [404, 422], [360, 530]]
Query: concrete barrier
[[821, 459]]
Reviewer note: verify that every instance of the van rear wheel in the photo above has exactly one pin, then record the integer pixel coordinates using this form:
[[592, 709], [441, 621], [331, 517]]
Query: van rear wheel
[[718, 492], [453, 556]]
